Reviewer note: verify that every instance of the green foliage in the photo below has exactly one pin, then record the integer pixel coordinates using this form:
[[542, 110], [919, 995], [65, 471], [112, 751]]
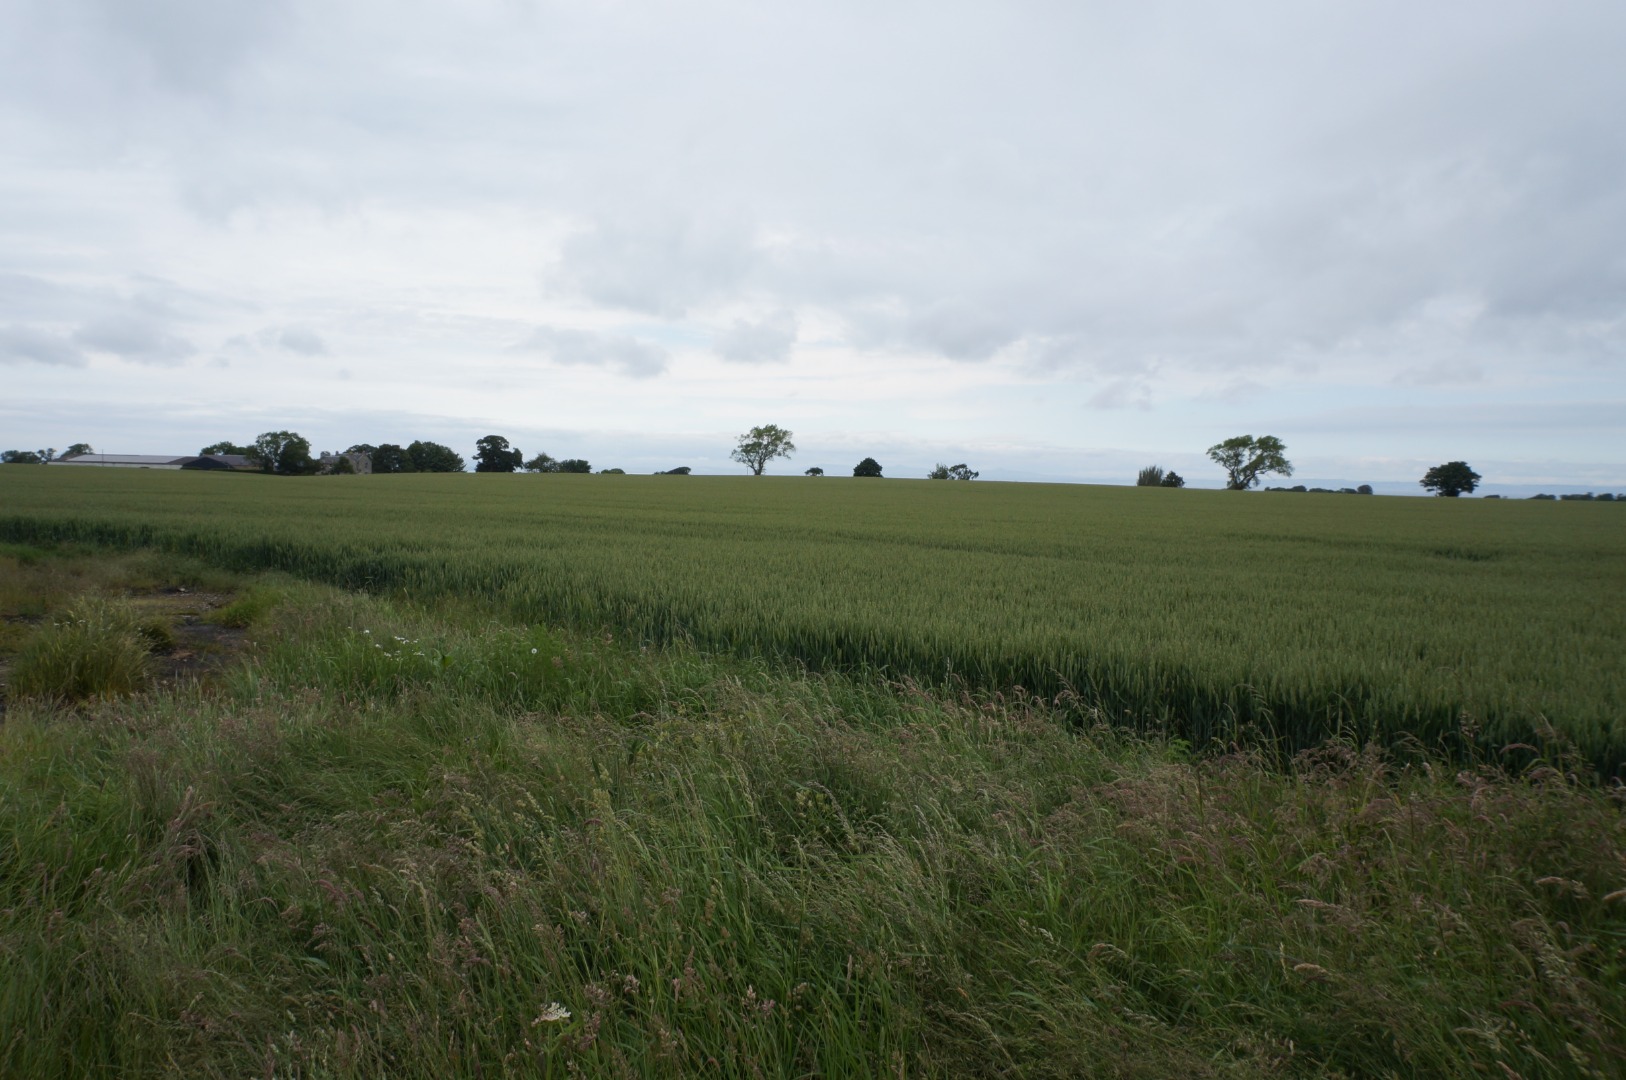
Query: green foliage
[[225, 447], [868, 467], [612, 472], [95, 649], [814, 471], [79, 448], [1151, 476], [433, 457], [1172, 479], [575, 465], [757, 447], [493, 454], [952, 472], [25, 457], [285, 453], [681, 470], [1245, 459], [542, 463], [1450, 480], [390, 458], [1203, 615]]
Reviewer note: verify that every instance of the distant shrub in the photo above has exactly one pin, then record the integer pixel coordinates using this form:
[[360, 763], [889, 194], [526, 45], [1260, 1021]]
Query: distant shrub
[[612, 472], [1151, 476], [1549, 498], [681, 470], [1577, 498], [814, 471], [1606, 497], [1493, 496], [1172, 479], [94, 650], [1364, 489]]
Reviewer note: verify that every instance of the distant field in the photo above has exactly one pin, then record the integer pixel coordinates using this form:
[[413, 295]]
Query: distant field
[[1202, 612]]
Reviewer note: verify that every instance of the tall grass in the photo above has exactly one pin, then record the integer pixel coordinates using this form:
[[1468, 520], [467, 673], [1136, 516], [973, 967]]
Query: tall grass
[[96, 648], [1218, 616], [348, 860]]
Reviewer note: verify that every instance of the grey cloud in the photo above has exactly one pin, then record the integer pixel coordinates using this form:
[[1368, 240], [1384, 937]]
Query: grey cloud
[[22, 344], [133, 338], [193, 46], [763, 342], [629, 356], [302, 340], [663, 265]]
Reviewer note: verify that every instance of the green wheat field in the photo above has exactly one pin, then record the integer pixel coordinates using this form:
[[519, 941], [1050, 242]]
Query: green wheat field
[[607, 776], [1202, 614]]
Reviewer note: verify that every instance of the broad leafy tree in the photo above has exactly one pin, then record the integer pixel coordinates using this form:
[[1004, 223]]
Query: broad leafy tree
[[1245, 459], [285, 453], [25, 457], [868, 467], [433, 457], [493, 454], [761, 445], [225, 447], [542, 463], [1172, 479], [575, 465], [79, 448], [814, 471], [391, 458], [1451, 479], [952, 472]]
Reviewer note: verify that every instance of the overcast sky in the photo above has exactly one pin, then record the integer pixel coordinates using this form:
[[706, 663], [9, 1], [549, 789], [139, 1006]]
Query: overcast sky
[[1054, 241]]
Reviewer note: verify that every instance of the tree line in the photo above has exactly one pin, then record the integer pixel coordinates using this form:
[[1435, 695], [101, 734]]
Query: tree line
[[1244, 458]]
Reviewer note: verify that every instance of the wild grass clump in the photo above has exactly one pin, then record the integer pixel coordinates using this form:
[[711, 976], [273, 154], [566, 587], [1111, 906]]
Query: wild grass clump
[[247, 610], [95, 649]]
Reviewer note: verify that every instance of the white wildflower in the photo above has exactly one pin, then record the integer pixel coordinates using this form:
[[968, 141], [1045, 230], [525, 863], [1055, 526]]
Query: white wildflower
[[554, 1013]]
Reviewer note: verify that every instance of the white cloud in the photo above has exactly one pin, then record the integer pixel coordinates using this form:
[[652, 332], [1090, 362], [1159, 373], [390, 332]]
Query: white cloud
[[765, 341], [628, 356], [134, 338]]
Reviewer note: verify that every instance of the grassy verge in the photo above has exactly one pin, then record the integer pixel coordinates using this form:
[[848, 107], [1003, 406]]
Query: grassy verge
[[409, 842]]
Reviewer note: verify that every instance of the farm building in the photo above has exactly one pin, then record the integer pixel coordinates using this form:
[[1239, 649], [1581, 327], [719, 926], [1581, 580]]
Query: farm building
[[157, 461]]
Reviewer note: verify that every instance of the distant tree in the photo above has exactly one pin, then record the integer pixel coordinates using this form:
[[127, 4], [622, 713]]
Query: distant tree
[[1451, 479], [868, 467], [25, 457], [285, 453], [574, 465], [761, 445], [363, 448], [542, 463], [390, 458], [433, 457], [814, 471], [1172, 479], [224, 447], [1364, 489], [952, 472], [612, 472], [681, 470], [1246, 459], [79, 448], [1151, 476], [493, 454]]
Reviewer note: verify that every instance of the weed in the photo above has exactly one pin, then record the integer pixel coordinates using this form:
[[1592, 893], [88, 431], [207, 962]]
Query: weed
[[94, 649]]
